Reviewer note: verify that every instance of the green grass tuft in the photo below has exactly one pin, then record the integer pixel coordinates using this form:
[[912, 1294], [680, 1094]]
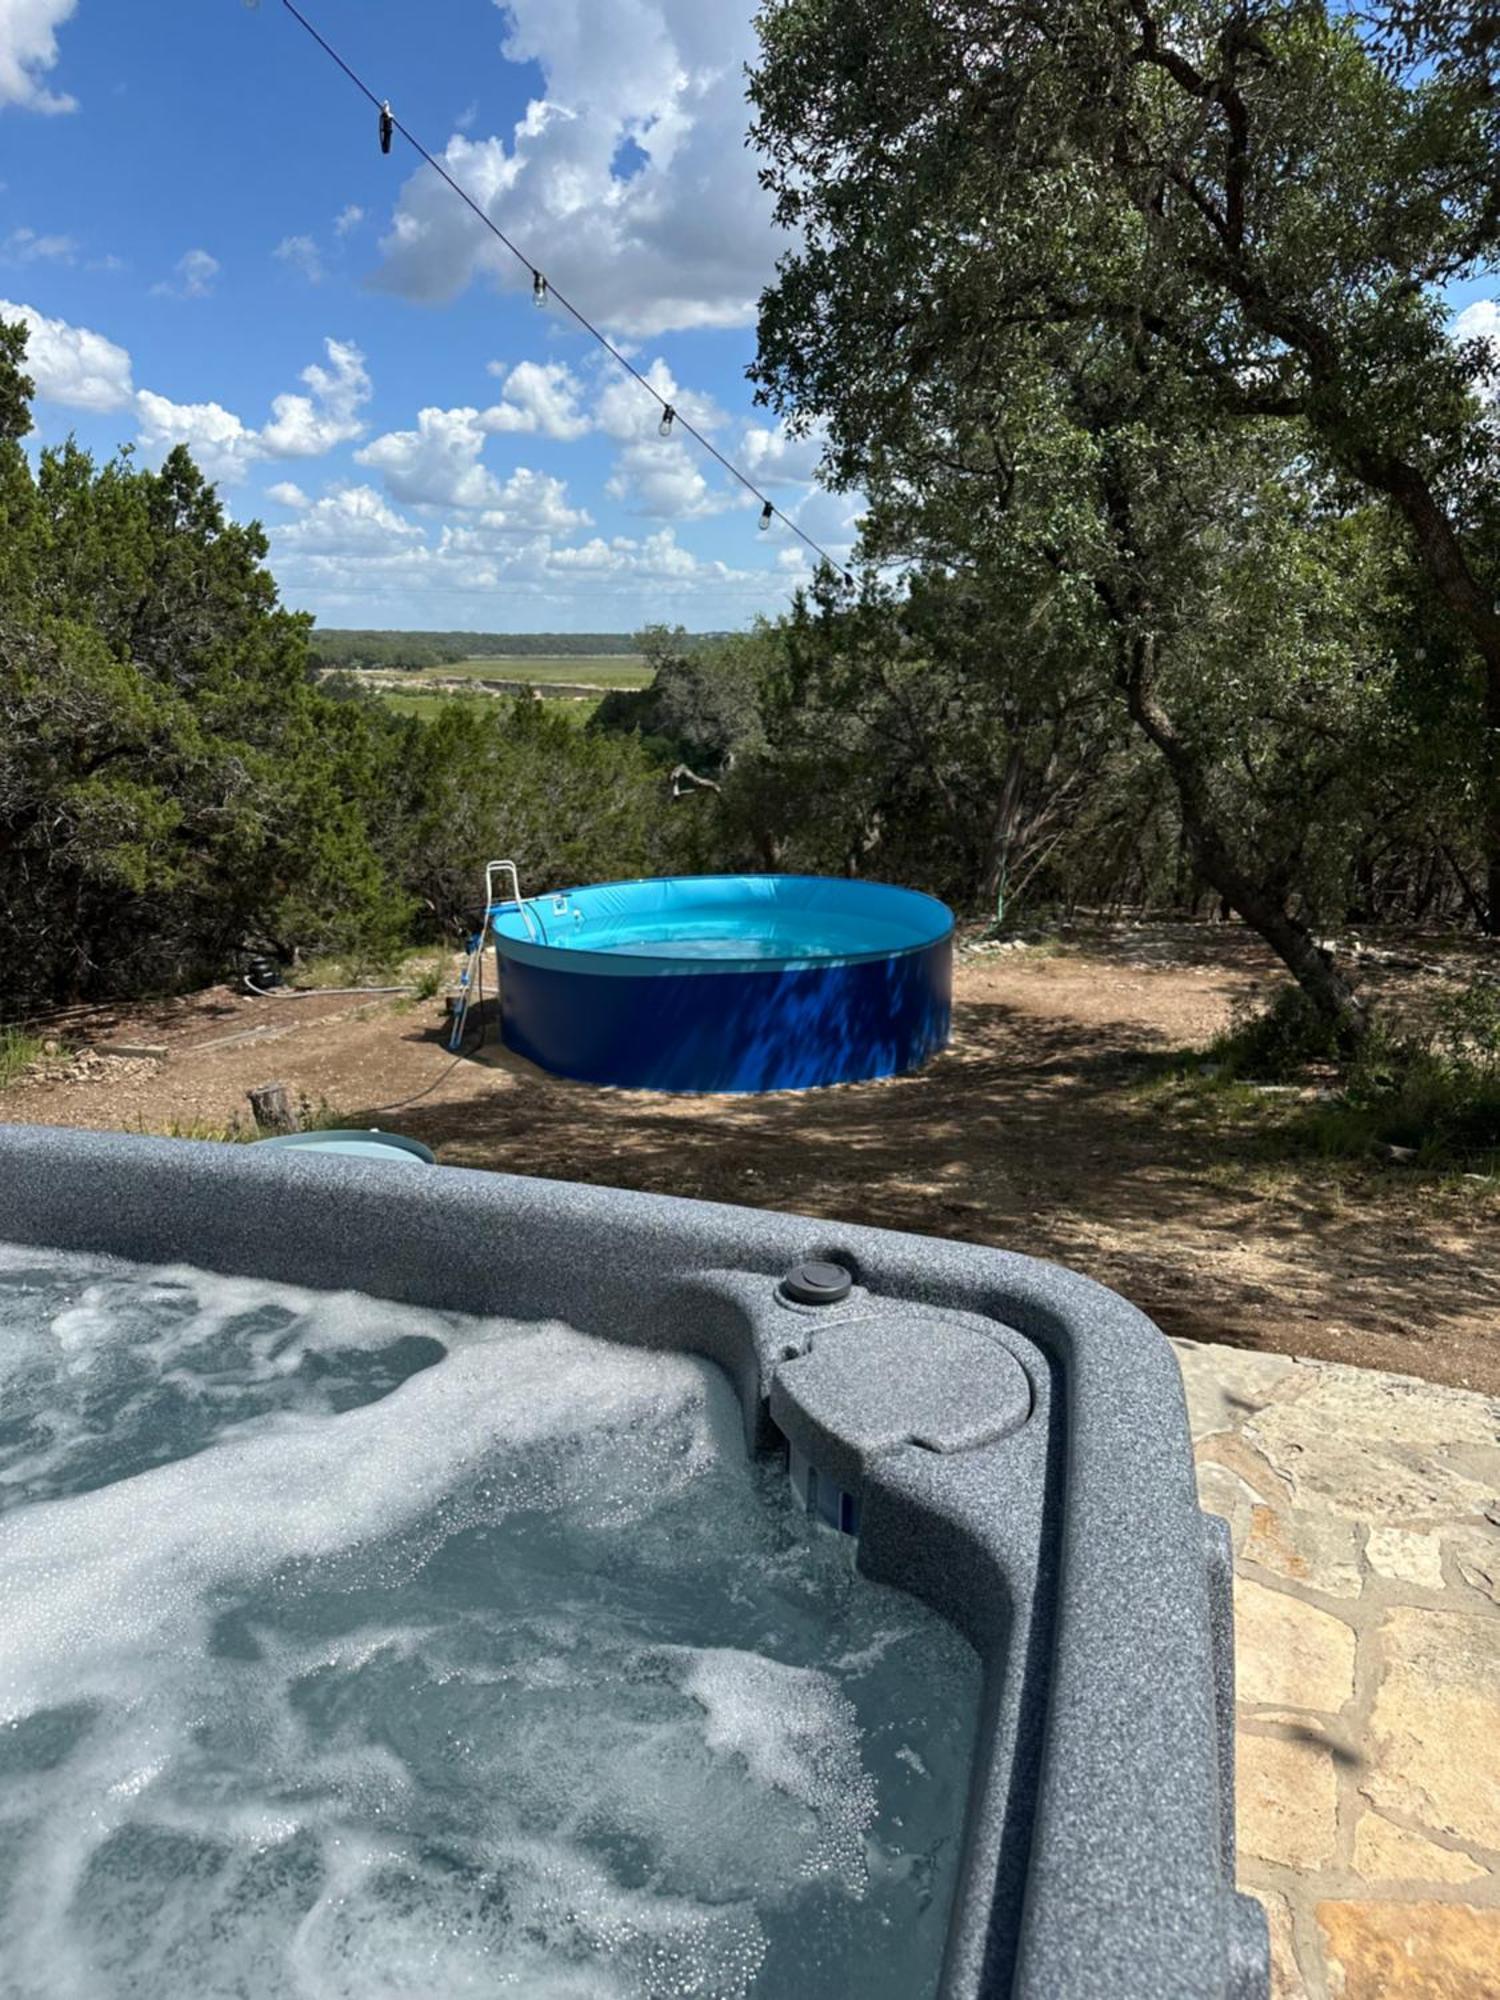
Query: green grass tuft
[[18, 1051]]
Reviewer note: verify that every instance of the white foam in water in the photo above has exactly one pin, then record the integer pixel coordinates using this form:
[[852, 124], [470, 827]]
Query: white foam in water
[[352, 1651]]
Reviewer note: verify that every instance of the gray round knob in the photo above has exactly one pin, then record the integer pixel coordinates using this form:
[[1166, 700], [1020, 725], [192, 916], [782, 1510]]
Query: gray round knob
[[817, 1284]]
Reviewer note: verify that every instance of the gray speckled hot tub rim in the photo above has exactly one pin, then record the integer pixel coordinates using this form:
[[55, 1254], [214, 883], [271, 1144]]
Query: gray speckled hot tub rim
[[1049, 1509]]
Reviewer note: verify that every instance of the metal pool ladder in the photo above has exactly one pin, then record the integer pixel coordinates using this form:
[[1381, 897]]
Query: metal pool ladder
[[494, 868], [480, 937]]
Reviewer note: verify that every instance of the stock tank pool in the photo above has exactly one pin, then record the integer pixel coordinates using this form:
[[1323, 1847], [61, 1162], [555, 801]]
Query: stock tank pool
[[726, 982]]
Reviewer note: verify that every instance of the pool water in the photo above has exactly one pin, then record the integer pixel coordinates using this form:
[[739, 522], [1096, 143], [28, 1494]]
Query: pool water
[[355, 1650], [762, 931], [788, 934]]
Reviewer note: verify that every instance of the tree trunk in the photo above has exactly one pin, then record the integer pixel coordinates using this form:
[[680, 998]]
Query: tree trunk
[[271, 1106], [993, 876], [1466, 888], [1263, 908]]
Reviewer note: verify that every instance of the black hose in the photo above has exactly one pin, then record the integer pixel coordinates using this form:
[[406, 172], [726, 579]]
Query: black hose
[[462, 1055]]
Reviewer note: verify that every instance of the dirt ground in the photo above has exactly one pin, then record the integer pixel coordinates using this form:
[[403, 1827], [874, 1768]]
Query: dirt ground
[[1037, 1130]]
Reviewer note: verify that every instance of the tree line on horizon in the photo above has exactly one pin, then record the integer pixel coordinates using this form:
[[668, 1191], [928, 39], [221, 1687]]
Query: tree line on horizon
[[332, 647]]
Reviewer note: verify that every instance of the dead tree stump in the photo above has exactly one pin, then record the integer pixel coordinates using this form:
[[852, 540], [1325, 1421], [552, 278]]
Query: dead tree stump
[[271, 1107]]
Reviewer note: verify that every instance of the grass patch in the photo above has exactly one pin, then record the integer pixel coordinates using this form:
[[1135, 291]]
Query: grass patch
[[335, 971], [425, 703], [312, 1115], [606, 670], [1426, 1096], [236, 1131], [18, 1051], [427, 977]]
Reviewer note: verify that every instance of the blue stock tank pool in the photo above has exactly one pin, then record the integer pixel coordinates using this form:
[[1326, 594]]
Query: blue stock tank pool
[[726, 982]]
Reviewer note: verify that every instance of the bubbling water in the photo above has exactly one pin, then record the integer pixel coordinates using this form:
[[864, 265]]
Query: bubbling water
[[353, 1651]]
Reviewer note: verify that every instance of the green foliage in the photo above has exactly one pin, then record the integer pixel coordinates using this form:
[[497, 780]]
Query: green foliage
[[1430, 1089], [175, 786], [486, 780], [18, 1051], [1117, 313], [703, 705], [16, 387], [1275, 1044], [429, 980]]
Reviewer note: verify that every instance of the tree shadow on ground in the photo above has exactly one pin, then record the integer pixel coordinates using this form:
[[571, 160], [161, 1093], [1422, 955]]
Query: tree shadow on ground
[[1028, 1133]]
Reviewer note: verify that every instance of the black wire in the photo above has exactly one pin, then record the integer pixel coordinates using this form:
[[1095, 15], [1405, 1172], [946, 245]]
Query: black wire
[[462, 1055], [567, 304]]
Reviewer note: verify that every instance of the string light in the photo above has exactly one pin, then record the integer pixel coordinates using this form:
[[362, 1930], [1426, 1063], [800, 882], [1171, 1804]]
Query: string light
[[387, 127], [542, 293]]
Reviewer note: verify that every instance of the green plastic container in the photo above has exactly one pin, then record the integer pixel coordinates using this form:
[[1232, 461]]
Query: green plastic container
[[355, 1145]]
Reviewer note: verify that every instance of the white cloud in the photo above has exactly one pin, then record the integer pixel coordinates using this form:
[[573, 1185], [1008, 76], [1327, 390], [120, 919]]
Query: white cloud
[[662, 477], [832, 519], [220, 442], [196, 271], [529, 503], [628, 181], [625, 411], [28, 48], [307, 426], [72, 365], [347, 219], [1481, 321], [302, 254], [437, 464], [287, 493], [350, 521], [772, 457], [300, 426], [659, 557], [25, 246], [352, 557], [539, 397]]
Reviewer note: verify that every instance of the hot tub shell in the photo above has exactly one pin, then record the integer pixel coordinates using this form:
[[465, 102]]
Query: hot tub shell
[[573, 1001], [1014, 1435]]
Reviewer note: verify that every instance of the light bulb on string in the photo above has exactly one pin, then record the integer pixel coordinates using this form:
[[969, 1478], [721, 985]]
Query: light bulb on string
[[540, 293]]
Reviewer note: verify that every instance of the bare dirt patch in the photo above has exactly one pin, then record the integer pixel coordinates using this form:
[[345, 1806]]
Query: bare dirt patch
[[1033, 1131]]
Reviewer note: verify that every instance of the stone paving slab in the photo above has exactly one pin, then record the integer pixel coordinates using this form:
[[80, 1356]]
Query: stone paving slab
[[1365, 1511]]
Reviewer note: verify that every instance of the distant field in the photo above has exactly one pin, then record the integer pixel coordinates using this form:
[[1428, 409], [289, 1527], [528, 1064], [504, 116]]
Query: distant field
[[426, 705], [613, 670]]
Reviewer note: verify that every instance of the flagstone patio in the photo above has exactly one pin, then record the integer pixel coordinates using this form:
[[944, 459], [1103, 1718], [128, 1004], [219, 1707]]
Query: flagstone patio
[[1365, 1510]]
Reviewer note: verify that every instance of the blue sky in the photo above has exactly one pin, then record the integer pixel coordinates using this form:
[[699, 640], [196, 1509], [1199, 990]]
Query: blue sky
[[209, 245]]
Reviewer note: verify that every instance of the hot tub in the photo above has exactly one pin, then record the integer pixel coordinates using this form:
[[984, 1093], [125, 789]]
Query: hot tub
[[1010, 1440], [726, 982]]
